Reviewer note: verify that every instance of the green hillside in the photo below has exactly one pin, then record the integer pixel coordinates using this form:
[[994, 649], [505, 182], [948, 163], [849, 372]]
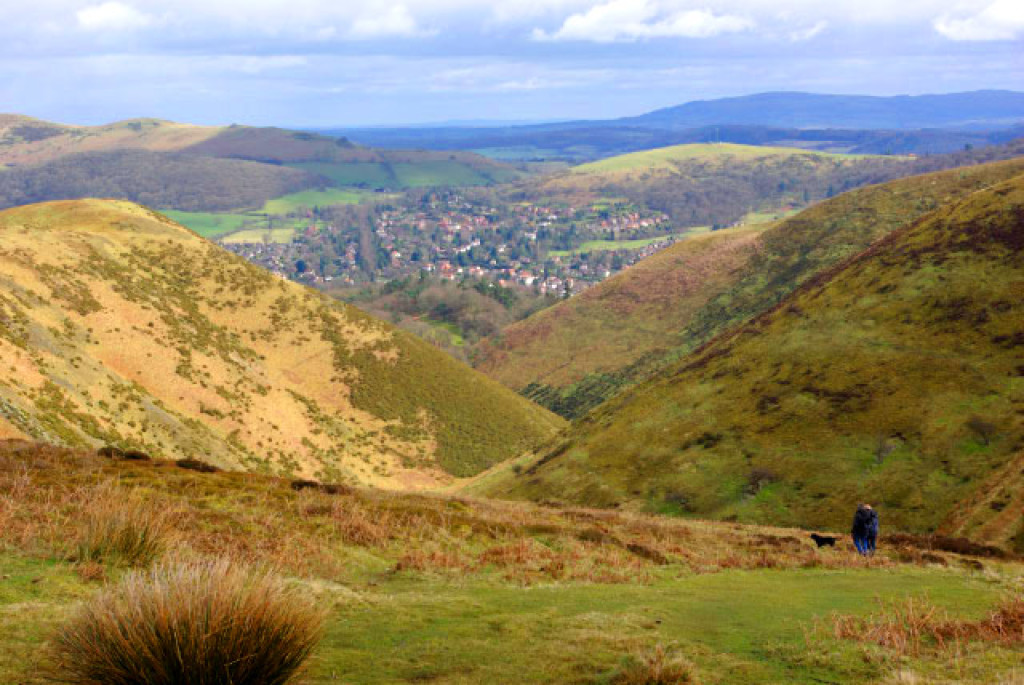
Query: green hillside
[[719, 184], [122, 327], [896, 377], [709, 153], [666, 306]]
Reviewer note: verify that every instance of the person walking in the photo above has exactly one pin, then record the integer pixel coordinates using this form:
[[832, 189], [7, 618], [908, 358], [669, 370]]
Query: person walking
[[872, 539], [862, 528]]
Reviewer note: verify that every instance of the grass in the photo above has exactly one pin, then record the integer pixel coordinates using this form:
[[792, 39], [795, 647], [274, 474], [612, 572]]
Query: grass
[[370, 174], [409, 174], [455, 590], [208, 224], [307, 199], [640, 243], [260, 235], [667, 157], [207, 623]]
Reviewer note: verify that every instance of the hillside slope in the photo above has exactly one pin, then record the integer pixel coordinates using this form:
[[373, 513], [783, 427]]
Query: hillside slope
[[574, 355], [896, 378], [718, 184], [692, 291], [122, 327]]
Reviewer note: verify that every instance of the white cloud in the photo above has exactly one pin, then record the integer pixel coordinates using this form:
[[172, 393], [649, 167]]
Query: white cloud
[[1001, 20], [396, 21], [631, 20], [112, 17], [808, 33]]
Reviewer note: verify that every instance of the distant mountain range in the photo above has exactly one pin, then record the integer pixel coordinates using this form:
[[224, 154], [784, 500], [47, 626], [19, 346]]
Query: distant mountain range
[[834, 123]]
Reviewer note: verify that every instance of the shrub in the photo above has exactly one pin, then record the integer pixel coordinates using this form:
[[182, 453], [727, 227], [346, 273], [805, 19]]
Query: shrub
[[206, 623], [658, 666], [118, 528], [196, 465]]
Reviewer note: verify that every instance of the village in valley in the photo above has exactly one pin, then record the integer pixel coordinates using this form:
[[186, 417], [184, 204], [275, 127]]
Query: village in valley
[[454, 235]]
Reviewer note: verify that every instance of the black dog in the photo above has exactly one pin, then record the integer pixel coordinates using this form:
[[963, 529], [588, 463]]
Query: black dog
[[824, 540]]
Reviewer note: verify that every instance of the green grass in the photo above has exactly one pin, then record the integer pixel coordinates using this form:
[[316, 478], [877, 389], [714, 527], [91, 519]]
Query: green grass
[[734, 625], [208, 224], [738, 627], [307, 199], [605, 245], [371, 174], [260, 235], [438, 173]]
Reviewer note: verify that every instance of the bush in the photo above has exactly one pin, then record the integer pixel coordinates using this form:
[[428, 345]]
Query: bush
[[196, 465], [115, 528], [658, 666], [207, 623]]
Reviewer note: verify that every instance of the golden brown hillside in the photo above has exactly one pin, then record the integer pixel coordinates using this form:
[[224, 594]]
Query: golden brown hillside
[[24, 140], [121, 327]]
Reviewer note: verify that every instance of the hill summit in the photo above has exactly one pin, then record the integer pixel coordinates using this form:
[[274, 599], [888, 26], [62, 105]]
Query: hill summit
[[121, 327]]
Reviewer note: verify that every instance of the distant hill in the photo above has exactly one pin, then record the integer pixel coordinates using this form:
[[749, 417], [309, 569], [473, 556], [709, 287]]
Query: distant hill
[[928, 124], [121, 327], [209, 168], [818, 111], [664, 307], [892, 377]]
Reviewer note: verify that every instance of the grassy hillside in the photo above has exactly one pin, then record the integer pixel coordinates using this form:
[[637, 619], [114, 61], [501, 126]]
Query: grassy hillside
[[895, 377], [162, 180], [672, 157], [122, 327], [718, 184], [451, 590], [573, 356], [27, 141], [667, 306]]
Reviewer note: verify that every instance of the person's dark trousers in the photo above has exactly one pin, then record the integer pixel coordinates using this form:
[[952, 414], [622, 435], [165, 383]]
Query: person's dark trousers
[[861, 544], [870, 543]]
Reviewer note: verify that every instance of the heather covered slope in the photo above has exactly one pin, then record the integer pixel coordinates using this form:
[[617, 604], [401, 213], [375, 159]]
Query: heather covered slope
[[668, 305], [122, 327], [896, 377]]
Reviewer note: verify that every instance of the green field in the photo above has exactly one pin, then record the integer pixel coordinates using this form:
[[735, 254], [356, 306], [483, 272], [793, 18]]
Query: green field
[[400, 175], [604, 245], [208, 224], [371, 174], [307, 199], [260, 235]]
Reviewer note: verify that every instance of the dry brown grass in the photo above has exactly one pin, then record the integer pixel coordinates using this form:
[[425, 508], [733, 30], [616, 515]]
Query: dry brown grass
[[914, 625], [657, 666], [124, 512], [207, 623]]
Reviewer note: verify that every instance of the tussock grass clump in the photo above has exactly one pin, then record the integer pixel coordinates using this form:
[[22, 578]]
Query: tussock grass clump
[[115, 528], [657, 666], [203, 623], [196, 465], [916, 624]]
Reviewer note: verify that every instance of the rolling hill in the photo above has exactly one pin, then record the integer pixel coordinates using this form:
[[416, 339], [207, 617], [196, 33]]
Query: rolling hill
[[209, 168], [928, 124], [120, 327], [894, 377], [718, 184], [581, 352]]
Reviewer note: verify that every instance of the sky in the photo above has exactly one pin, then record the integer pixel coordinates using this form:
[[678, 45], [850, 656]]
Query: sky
[[324, 63]]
